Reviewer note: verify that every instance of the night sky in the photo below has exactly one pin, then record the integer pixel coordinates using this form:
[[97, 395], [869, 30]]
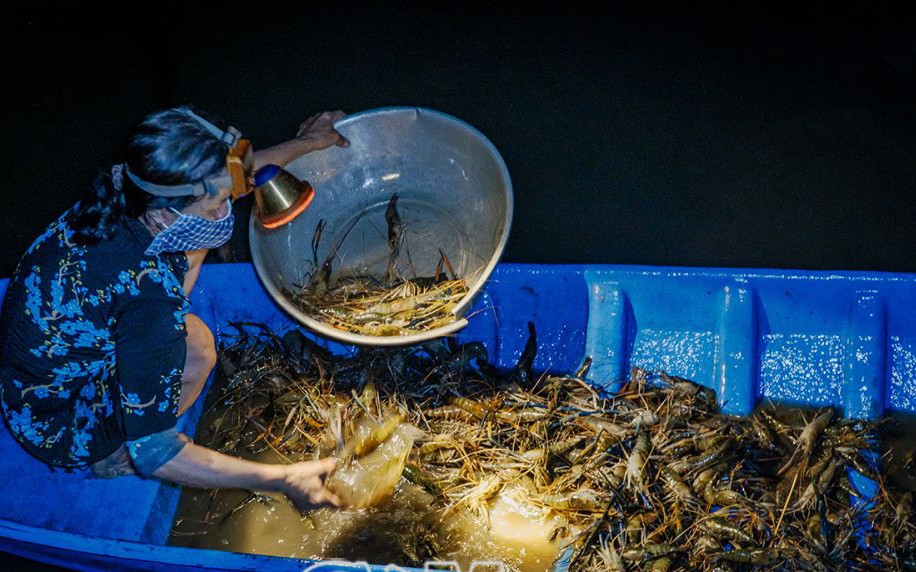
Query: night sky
[[717, 134]]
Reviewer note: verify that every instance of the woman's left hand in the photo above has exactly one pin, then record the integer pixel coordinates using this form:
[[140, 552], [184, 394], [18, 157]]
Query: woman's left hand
[[319, 130]]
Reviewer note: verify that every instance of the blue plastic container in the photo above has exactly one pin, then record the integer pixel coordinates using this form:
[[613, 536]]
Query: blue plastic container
[[846, 339]]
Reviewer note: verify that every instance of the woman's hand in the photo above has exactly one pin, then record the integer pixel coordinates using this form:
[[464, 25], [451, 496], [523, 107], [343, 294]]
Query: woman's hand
[[316, 132], [304, 484], [319, 129]]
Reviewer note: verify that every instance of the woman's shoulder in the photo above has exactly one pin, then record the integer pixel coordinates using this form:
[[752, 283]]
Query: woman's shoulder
[[122, 261], [126, 240], [116, 266]]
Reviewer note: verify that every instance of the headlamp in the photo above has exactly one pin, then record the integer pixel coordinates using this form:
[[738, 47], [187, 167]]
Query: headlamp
[[240, 166], [237, 175], [279, 196]]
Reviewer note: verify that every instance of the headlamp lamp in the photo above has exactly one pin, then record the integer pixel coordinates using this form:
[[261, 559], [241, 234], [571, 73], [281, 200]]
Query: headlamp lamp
[[240, 166]]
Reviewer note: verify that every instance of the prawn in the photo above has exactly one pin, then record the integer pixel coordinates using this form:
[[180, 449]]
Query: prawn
[[636, 463], [806, 441], [395, 238]]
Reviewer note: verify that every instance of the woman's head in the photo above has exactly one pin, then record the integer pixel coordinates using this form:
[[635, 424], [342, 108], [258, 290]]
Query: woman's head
[[168, 147], [171, 147]]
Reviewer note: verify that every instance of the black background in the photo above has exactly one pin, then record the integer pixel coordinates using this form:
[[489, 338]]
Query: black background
[[714, 134]]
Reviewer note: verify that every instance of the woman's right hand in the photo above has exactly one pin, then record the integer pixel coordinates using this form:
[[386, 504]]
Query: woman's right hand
[[319, 130], [304, 484]]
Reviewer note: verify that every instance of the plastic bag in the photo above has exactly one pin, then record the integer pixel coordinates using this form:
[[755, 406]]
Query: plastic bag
[[370, 480]]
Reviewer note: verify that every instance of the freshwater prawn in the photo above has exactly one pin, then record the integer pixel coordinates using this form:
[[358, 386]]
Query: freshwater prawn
[[806, 441]]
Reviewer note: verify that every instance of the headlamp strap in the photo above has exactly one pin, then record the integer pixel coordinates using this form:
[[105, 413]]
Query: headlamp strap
[[183, 190], [229, 137]]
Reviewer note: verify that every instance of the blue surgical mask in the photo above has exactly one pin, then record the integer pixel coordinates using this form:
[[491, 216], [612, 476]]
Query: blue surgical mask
[[193, 232]]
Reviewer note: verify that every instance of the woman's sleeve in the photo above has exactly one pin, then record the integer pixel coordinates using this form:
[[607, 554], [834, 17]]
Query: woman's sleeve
[[150, 353], [152, 451]]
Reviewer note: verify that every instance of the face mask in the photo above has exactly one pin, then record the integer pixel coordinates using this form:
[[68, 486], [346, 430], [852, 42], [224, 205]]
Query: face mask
[[193, 232]]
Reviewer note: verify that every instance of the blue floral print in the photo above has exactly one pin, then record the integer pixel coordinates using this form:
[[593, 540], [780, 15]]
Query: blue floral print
[[92, 344]]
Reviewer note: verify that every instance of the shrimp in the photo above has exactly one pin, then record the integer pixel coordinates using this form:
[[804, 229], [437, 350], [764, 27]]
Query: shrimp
[[366, 441], [680, 447], [634, 531], [806, 441], [478, 495], [415, 474], [609, 556], [252, 496], [555, 449], [644, 420], [321, 278], [599, 425], [814, 528], [586, 500], [523, 368], [818, 484], [636, 463], [755, 555], [723, 529], [903, 512], [677, 486], [648, 550], [443, 273], [702, 461], [395, 238], [725, 497], [782, 431], [322, 275], [702, 483], [481, 411]]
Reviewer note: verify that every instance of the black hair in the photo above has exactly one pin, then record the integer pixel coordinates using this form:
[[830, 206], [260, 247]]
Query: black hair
[[167, 147]]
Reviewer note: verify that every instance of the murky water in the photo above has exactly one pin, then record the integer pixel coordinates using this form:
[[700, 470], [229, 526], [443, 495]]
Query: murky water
[[405, 530]]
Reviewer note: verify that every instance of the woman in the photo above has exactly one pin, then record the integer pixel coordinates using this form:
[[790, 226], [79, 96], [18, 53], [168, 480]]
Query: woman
[[99, 353]]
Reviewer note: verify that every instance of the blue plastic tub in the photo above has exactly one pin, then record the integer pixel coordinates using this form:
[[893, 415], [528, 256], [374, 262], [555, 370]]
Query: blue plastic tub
[[846, 339]]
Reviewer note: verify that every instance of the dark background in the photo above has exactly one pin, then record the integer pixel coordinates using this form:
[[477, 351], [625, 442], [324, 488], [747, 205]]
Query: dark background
[[715, 134]]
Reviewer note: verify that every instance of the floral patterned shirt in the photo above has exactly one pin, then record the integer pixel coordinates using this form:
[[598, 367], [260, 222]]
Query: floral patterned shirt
[[92, 344]]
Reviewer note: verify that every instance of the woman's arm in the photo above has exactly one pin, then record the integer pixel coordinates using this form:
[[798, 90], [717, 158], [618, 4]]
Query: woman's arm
[[316, 132], [200, 467], [195, 259]]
